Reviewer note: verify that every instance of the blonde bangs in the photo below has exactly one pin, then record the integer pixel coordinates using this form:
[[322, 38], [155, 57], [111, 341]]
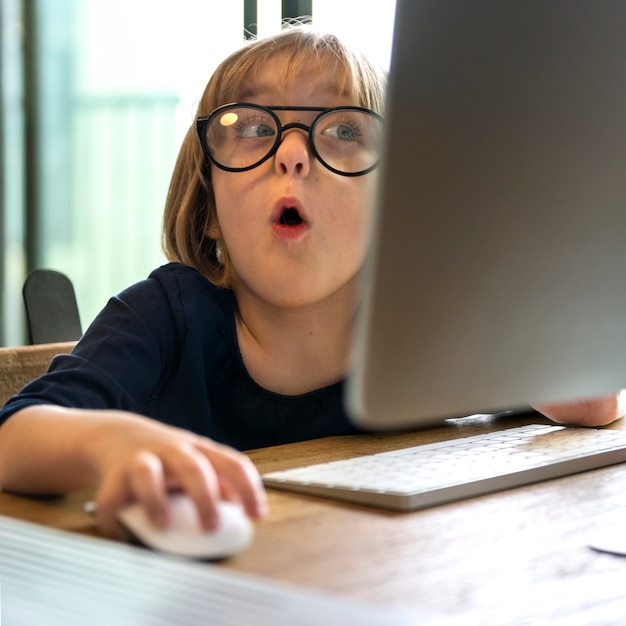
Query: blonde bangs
[[293, 49]]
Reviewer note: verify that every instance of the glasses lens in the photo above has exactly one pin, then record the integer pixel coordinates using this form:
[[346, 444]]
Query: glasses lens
[[239, 137], [348, 140]]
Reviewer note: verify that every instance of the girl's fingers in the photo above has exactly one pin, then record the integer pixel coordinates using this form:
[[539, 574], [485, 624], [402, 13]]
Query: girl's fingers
[[206, 471], [147, 483], [209, 472], [590, 412], [194, 474], [238, 478], [113, 494]]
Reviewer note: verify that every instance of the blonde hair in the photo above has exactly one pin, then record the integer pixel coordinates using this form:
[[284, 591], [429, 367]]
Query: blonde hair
[[190, 209]]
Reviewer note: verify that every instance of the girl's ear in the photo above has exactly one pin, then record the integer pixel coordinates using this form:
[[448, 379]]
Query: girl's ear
[[213, 231]]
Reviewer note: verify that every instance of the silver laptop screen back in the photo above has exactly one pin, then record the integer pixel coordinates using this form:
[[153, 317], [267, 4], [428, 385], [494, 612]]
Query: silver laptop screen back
[[497, 272]]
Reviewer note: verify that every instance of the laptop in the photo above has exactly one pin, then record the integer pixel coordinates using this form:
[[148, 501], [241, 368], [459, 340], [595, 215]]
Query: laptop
[[497, 273], [55, 578]]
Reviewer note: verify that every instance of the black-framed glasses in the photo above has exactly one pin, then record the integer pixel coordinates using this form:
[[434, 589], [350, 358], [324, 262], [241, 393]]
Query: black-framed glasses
[[240, 136]]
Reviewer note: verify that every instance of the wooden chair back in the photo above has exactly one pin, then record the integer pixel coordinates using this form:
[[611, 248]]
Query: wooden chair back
[[19, 365]]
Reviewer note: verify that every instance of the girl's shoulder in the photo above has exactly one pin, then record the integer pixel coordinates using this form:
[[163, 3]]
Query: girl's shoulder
[[178, 286], [173, 305]]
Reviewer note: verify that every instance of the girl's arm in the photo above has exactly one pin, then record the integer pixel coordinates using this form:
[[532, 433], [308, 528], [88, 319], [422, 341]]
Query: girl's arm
[[588, 412], [46, 449]]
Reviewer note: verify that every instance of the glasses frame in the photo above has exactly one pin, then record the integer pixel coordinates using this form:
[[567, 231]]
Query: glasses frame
[[203, 122]]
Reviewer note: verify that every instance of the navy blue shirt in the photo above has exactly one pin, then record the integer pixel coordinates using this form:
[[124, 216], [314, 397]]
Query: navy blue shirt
[[167, 348]]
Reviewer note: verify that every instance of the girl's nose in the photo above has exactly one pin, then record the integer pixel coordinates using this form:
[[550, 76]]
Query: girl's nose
[[293, 155]]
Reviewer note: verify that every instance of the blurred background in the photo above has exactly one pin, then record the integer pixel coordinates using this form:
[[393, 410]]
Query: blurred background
[[95, 99]]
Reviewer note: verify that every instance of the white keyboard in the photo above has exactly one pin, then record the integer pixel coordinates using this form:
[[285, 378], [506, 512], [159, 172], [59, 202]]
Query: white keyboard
[[427, 475]]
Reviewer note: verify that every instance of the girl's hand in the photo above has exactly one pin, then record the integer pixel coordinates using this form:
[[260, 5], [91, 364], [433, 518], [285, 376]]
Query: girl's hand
[[588, 412], [142, 460]]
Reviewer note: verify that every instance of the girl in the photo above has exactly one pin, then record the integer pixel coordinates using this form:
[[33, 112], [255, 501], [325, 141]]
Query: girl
[[242, 340]]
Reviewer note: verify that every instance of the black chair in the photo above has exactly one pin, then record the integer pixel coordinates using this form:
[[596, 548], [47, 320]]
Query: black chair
[[51, 309]]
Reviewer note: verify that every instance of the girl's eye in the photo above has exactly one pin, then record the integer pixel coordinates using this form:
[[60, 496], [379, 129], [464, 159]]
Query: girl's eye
[[341, 131], [254, 129], [349, 125]]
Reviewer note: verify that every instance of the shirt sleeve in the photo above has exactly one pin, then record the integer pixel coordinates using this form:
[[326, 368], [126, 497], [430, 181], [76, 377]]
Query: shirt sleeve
[[122, 359]]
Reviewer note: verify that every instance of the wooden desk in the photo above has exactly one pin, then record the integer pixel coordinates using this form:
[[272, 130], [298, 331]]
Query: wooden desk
[[517, 557]]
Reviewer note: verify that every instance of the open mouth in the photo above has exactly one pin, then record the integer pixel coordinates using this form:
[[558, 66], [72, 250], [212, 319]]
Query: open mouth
[[290, 217]]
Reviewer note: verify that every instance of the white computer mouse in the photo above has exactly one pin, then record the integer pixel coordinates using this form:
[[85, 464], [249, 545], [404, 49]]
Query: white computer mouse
[[184, 536]]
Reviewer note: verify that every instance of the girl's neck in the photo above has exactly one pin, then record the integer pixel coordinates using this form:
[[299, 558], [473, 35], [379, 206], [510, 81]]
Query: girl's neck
[[296, 350]]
